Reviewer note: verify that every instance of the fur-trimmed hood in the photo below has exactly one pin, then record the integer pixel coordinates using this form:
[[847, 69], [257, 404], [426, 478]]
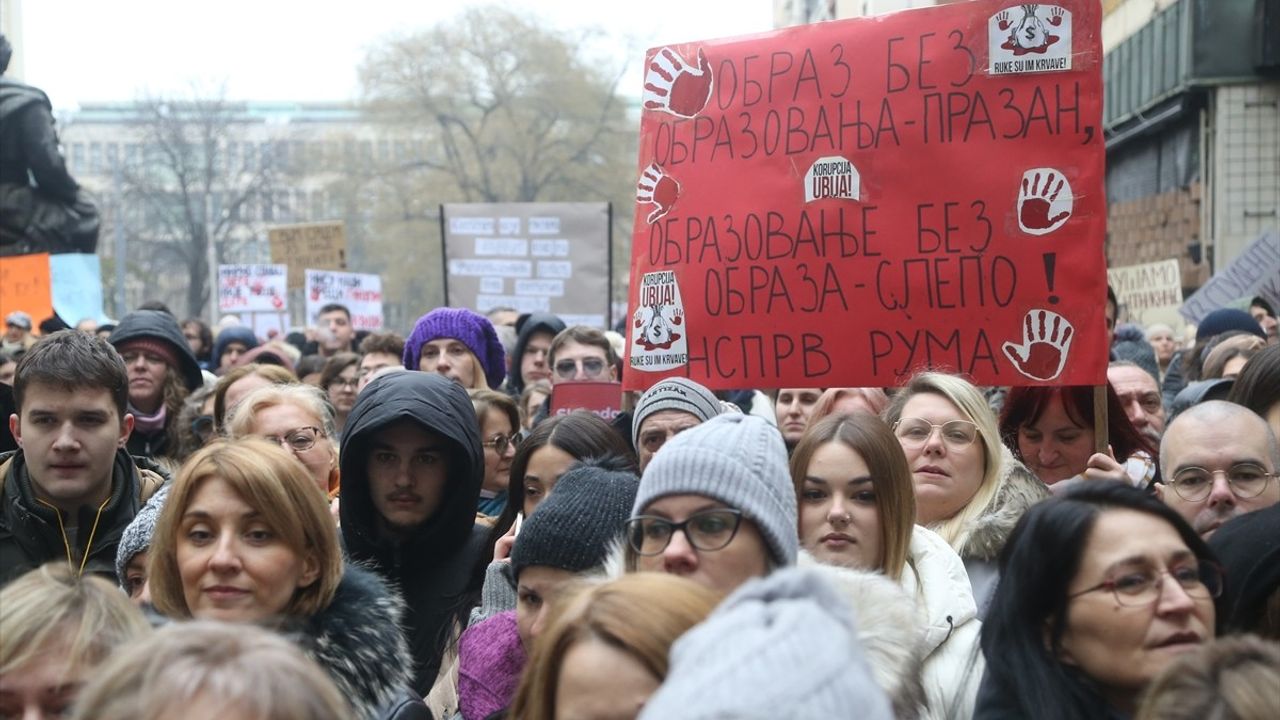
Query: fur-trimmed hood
[[1019, 489], [358, 640]]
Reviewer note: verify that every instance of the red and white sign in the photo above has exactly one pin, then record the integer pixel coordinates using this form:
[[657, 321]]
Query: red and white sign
[[847, 203], [253, 288], [604, 399], [360, 293]]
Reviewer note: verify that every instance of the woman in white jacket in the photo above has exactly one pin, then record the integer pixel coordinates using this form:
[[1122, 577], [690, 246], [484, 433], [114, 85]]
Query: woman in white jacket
[[857, 510]]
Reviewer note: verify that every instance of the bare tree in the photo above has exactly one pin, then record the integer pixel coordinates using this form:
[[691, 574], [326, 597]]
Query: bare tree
[[187, 193]]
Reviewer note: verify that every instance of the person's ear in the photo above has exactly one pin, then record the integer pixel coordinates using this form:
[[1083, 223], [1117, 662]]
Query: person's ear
[[1159, 488], [1061, 653], [126, 429], [310, 572], [15, 429]]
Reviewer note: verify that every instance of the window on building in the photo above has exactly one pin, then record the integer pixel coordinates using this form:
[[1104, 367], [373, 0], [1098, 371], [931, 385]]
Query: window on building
[[233, 157], [131, 151], [317, 206], [384, 152], [250, 157], [268, 207], [113, 156], [95, 158], [77, 157]]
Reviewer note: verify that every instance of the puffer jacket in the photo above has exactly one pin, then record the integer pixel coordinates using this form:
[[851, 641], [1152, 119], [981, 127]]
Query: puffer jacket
[[953, 664]]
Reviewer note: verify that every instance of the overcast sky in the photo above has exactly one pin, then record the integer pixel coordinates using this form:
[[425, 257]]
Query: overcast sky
[[87, 50]]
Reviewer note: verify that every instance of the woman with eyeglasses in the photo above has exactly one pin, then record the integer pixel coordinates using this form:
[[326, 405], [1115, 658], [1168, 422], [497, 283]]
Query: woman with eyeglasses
[[969, 488], [1101, 589], [716, 505], [298, 418], [339, 380], [499, 420], [858, 510]]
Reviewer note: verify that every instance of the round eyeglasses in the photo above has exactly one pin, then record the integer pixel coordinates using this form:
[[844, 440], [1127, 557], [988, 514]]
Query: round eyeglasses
[[591, 367], [914, 432], [709, 530], [1142, 587], [1246, 480], [500, 443], [298, 440]]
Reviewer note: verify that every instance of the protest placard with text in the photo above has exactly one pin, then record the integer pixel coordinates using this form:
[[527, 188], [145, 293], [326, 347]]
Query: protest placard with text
[[1255, 272], [308, 245], [359, 292], [25, 285], [845, 203], [603, 399], [253, 288], [1148, 293]]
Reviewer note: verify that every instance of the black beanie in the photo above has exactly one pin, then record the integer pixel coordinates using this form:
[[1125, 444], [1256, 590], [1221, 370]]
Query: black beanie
[[1249, 549], [573, 528]]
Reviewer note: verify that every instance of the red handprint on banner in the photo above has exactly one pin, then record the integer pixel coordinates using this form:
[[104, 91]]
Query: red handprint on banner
[[673, 86], [1046, 340], [658, 188], [1044, 191]]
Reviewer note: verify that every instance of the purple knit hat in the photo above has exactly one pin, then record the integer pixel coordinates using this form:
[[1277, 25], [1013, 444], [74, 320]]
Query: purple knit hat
[[470, 328], [490, 660]]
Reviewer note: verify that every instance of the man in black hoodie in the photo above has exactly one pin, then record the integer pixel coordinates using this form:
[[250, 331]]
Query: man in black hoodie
[[412, 464], [531, 359]]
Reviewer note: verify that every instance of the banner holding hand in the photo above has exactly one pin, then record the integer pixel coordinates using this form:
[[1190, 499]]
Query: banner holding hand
[[845, 203]]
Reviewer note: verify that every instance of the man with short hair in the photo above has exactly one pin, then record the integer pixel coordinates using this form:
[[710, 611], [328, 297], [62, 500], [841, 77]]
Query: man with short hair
[[667, 409], [412, 465], [1140, 395], [581, 353], [1218, 461], [71, 488], [380, 350], [335, 333]]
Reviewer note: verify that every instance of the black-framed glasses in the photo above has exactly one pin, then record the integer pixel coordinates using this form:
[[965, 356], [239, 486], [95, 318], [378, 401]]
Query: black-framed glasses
[[591, 367], [298, 440], [203, 427], [344, 382], [913, 432], [1140, 588], [708, 530], [1246, 480], [500, 443]]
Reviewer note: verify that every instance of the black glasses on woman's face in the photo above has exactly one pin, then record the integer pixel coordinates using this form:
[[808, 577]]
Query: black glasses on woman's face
[[500, 443], [708, 530]]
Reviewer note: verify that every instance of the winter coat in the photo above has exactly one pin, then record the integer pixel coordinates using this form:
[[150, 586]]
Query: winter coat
[[1018, 490], [358, 641], [29, 531], [535, 322], [433, 567], [953, 665], [161, 326]]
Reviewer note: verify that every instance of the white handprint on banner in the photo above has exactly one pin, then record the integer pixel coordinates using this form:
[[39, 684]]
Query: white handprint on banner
[[672, 85], [1046, 341], [1044, 191], [658, 188]]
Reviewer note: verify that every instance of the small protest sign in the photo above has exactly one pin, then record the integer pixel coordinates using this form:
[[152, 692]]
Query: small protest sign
[[253, 288], [849, 202], [1255, 272], [25, 285], [76, 279], [359, 292], [1148, 293], [308, 245], [604, 399]]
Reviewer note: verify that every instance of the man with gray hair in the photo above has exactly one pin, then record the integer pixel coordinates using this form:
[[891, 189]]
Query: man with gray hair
[[1139, 393], [670, 407], [1219, 461]]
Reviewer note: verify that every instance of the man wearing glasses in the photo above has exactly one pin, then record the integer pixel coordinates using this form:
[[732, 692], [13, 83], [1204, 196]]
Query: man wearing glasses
[[580, 353], [1219, 461], [716, 505]]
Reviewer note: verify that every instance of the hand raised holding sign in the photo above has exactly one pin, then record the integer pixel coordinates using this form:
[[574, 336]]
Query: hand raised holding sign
[[673, 86], [1046, 339], [658, 188]]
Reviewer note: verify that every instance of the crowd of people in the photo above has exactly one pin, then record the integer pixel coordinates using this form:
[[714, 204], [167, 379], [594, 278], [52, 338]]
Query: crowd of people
[[204, 523]]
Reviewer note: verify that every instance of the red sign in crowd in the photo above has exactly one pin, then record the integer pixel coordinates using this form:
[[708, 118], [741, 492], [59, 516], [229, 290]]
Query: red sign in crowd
[[844, 203]]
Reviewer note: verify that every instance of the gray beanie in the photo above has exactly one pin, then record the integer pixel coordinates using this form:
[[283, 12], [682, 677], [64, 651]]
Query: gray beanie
[[782, 646], [575, 526], [675, 393], [136, 537], [739, 460]]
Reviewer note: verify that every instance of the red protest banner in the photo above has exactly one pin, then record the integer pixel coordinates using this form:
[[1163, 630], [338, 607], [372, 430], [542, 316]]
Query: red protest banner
[[602, 398], [845, 203]]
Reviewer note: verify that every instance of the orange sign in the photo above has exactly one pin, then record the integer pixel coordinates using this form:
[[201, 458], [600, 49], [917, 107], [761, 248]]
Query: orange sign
[[25, 286]]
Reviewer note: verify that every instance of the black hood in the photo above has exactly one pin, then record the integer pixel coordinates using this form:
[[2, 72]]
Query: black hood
[[440, 406], [161, 326], [526, 326]]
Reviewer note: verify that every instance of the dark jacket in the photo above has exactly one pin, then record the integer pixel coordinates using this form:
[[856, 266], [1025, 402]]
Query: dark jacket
[[358, 640], [525, 328], [161, 326], [29, 531], [432, 568]]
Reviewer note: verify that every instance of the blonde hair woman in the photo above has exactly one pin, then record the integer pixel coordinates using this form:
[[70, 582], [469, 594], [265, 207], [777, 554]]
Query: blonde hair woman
[[300, 419], [969, 488], [199, 670], [857, 510], [55, 629], [605, 649], [246, 537]]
